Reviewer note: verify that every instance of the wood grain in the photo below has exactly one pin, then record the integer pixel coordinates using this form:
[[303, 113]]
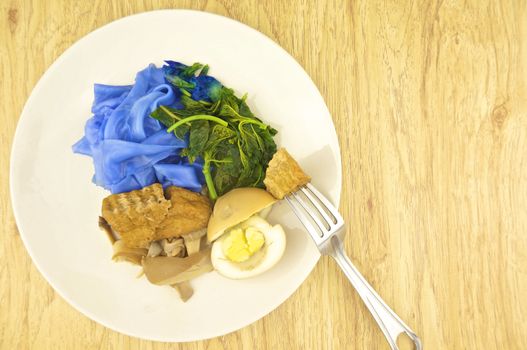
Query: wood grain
[[430, 104]]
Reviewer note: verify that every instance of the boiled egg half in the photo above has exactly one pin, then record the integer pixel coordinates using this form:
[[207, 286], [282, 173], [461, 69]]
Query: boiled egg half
[[244, 243]]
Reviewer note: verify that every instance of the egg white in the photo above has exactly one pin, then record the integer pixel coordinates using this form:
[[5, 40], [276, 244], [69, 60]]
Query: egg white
[[270, 253]]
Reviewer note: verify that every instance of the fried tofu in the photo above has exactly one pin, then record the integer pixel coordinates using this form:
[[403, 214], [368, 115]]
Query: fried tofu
[[190, 211], [142, 216], [284, 175], [135, 215]]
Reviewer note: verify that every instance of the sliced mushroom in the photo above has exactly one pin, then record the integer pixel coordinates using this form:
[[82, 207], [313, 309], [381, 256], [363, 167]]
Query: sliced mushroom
[[172, 246], [184, 289], [193, 240], [155, 249], [123, 253], [162, 270], [204, 243]]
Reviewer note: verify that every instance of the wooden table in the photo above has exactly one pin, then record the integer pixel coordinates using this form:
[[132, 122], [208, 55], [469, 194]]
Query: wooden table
[[430, 105]]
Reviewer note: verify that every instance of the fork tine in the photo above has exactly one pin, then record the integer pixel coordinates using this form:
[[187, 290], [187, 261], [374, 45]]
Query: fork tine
[[302, 216], [334, 212], [317, 205], [312, 213]]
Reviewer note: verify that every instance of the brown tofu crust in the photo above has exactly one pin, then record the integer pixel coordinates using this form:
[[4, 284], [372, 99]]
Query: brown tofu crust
[[142, 216], [284, 175], [190, 211], [135, 215]]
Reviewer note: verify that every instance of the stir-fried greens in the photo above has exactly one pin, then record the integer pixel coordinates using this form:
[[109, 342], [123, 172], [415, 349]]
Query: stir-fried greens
[[233, 144]]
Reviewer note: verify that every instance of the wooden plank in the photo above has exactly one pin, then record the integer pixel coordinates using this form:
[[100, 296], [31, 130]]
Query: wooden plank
[[430, 105]]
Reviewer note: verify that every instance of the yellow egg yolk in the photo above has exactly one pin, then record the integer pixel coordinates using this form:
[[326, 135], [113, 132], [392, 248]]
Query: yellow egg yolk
[[240, 245]]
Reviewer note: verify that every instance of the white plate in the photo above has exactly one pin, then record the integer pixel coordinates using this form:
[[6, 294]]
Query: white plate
[[56, 205]]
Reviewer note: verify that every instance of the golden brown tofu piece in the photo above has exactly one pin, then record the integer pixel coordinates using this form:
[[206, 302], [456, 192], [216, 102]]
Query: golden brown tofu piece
[[145, 215], [190, 211], [284, 175], [135, 215]]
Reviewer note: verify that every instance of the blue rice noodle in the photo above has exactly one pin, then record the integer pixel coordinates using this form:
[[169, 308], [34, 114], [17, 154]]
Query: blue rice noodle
[[131, 150]]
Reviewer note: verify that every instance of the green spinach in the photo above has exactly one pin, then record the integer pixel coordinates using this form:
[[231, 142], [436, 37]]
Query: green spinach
[[235, 146]]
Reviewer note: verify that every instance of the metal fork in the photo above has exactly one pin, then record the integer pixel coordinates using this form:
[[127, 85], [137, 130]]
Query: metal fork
[[326, 227]]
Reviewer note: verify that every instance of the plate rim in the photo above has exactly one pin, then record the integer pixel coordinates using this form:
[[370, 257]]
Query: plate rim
[[23, 120]]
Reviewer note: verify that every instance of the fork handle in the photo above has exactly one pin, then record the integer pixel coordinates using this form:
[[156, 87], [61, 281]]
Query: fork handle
[[391, 325]]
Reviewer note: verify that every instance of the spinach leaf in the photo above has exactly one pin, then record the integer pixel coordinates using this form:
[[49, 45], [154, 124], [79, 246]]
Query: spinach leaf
[[204, 70], [235, 146], [164, 115], [168, 116], [179, 82], [198, 137]]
